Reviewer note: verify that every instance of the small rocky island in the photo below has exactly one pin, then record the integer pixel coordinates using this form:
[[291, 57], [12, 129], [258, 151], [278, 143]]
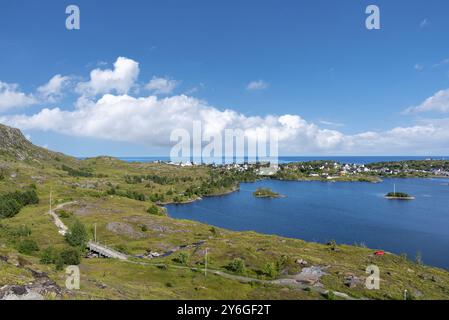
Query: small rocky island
[[267, 193], [399, 196]]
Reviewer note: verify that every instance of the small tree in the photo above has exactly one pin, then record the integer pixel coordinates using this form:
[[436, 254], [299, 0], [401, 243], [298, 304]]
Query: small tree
[[237, 265], [153, 210], [182, 258], [77, 235], [270, 270]]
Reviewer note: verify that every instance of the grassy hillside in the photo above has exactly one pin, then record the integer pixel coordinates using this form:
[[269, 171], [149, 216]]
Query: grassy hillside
[[115, 197]]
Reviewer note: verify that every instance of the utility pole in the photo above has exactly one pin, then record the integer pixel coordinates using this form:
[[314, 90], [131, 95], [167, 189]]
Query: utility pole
[[50, 200], [95, 233], [205, 262]]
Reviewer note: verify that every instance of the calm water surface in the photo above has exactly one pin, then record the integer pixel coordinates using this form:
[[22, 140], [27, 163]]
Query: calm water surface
[[346, 212]]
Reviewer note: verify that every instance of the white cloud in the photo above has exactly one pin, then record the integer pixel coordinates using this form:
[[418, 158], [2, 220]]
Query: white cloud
[[119, 80], [439, 102], [52, 91], [257, 85], [418, 67], [424, 23], [331, 123], [11, 97], [163, 86], [441, 63], [150, 121]]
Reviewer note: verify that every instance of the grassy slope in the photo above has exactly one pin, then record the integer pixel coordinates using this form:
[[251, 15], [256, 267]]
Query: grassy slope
[[115, 280]]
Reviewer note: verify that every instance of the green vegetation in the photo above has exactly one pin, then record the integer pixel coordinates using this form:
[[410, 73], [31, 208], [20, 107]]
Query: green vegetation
[[399, 195], [238, 266], [182, 258], [49, 255], [60, 258], [270, 270], [28, 246], [70, 256], [77, 172], [155, 210], [266, 193], [77, 235], [122, 200], [12, 203]]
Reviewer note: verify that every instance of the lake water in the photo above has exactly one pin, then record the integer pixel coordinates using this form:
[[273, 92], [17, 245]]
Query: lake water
[[348, 212]]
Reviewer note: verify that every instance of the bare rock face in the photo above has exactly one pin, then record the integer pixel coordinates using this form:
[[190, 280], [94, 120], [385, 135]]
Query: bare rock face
[[13, 143], [40, 288], [125, 229]]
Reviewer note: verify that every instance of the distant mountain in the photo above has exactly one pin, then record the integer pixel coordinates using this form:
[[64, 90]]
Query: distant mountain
[[14, 145]]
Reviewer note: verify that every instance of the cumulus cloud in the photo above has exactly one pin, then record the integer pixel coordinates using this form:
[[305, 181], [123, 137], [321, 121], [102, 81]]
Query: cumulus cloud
[[257, 85], [11, 97], [119, 80], [52, 91], [162, 86], [439, 102], [149, 120]]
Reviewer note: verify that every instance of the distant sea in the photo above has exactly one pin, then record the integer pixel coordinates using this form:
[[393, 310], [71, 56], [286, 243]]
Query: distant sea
[[341, 159]]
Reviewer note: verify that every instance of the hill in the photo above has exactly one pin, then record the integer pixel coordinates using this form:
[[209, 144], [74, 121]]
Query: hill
[[120, 202], [15, 146]]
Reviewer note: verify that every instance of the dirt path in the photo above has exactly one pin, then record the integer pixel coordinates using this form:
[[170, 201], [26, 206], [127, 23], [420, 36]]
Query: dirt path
[[62, 228]]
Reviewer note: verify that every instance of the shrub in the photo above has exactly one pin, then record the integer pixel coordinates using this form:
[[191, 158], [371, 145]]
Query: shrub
[[155, 210], [64, 214], [270, 270], [237, 265], [49, 256], [77, 173], [330, 295], [12, 203], [70, 256], [182, 258], [28, 246], [9, 207], [77, 235], [332, 245]]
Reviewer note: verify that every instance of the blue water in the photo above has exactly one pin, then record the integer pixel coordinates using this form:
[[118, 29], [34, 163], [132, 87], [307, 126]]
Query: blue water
[[347, 159], [348, 212]]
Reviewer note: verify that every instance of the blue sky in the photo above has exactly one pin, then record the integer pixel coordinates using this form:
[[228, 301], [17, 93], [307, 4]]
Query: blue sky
[[313, 59]]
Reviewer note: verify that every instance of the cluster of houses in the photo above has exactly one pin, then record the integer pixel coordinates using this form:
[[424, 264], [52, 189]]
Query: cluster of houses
[[394, 171], [327, 170]]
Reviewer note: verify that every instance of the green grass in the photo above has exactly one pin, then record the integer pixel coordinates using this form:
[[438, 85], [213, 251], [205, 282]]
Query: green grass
[[126, 225]]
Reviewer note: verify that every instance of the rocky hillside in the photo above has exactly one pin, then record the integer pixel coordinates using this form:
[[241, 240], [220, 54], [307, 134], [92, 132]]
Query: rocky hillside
[[13, 144]]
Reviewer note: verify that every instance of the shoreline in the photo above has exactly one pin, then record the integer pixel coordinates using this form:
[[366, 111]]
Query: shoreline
[[225, 193], [400, 198]]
